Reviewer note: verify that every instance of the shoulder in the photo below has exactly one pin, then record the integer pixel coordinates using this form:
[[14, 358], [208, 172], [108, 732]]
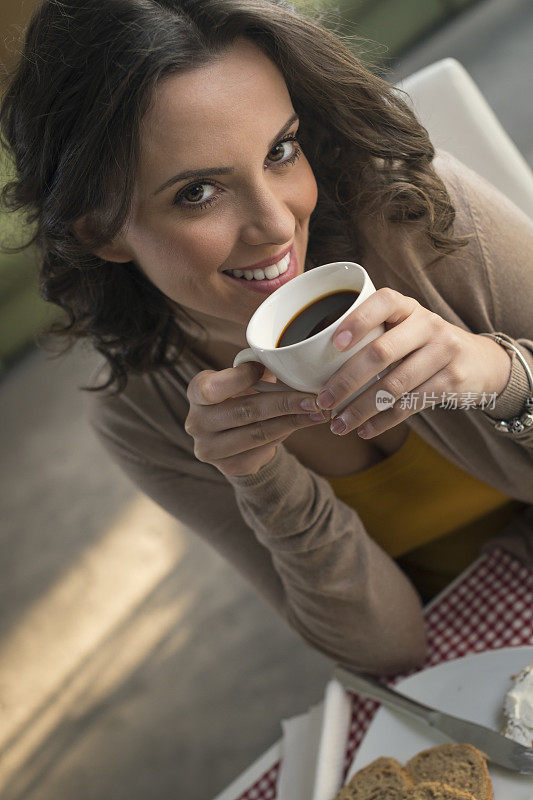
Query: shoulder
[[498, 277], [497, 231], [485, 284], [145, 421], [504, 233], [480, 207]]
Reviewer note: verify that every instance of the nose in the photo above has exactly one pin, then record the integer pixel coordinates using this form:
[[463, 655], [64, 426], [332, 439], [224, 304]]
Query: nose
[[267, 217]]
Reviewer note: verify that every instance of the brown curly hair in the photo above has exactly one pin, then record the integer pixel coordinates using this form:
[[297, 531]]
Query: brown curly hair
[[71, 118]]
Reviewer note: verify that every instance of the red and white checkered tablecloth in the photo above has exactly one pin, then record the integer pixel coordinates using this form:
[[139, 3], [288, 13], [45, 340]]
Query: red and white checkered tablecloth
[[488, 607]]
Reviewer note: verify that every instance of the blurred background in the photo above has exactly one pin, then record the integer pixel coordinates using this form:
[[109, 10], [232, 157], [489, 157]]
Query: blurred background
[[134, 662]]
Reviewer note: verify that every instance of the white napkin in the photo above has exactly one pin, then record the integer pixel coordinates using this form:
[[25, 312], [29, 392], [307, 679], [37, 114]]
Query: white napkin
[[313, 749], [299, 752]]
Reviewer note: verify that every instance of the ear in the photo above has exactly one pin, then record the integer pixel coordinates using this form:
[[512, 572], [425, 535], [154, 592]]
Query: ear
[[114, 251]]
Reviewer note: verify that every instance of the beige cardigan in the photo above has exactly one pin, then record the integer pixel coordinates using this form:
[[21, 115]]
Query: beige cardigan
[[306, 552]]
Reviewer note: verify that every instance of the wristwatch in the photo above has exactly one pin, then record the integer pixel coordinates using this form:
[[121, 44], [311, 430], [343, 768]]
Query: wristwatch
[[517, 424]]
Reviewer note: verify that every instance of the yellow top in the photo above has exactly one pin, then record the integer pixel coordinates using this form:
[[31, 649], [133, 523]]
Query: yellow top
[[425, 512]]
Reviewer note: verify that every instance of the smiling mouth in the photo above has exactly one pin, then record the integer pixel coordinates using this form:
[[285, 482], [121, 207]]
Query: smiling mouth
[[264, 273]]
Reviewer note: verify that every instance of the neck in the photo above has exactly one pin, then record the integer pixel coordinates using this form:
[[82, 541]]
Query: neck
[[218, 342]]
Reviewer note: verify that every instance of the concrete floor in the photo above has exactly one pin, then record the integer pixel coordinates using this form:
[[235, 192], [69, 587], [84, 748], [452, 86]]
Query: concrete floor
[[134, 662]]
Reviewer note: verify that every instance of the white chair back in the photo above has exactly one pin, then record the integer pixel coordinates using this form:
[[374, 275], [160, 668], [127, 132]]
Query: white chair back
[[458, 119]]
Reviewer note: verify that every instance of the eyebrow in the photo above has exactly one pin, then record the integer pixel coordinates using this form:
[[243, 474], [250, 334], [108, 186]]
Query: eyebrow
[[204, 173]]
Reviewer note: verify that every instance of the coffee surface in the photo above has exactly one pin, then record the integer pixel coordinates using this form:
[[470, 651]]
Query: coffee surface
[[316, 316]]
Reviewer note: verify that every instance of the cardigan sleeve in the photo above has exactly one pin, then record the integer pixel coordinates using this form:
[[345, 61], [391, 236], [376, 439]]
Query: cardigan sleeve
[[306, 552], [505, 234]]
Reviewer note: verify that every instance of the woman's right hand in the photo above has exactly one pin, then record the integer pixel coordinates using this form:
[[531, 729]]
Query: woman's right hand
[[238, 430]]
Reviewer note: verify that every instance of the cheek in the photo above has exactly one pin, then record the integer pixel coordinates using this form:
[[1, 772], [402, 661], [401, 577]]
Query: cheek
[[170, 254], [307, 195]]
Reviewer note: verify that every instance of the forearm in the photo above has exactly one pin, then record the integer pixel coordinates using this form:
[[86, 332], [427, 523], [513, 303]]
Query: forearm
[[345, 596]]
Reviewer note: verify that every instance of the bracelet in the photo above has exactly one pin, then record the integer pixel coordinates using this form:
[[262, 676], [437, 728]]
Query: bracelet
[[517, 424]]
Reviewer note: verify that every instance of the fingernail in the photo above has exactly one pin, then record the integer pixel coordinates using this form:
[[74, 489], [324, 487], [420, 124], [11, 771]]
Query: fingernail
[[308, 404], [342, 340], [338, 425], [325, 399]]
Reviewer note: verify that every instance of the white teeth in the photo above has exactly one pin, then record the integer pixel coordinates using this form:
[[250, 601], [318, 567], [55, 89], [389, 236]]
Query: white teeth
[[260, 274], [272, 271], [283, 265]]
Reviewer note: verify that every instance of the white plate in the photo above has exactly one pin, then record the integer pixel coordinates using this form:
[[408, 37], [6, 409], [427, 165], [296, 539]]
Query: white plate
[[473, 688]]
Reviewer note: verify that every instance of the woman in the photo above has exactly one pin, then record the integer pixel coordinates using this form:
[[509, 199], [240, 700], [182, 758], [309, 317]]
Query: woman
[[172, 153]]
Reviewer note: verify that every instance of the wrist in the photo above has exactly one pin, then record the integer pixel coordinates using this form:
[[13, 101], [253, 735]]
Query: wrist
[[500, 360], [514, 421]]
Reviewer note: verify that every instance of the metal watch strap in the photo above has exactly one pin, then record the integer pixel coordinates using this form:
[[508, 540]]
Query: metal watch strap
[[517, 424]]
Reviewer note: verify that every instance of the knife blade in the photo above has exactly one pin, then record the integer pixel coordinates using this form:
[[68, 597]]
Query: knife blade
[[496, 747]]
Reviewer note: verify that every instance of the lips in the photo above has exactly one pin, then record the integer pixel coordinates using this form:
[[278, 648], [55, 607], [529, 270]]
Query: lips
[[267, 262], [268, 285]]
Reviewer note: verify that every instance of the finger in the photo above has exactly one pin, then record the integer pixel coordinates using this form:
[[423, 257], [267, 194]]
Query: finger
[[412, 371], [384, 305], [210, 387], [389, 348], [240, 440], [245, 463], [267, 377], [248, 409], [428, 395]]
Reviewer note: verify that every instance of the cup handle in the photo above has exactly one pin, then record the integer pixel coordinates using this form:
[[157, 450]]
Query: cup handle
[[260, 386]]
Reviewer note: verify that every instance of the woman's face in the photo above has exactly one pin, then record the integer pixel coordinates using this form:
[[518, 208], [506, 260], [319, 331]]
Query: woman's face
[[232, 124]]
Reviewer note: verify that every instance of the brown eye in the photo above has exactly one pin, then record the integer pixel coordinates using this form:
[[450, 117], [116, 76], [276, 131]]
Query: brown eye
[[277, 153], [284, 152], [197, 195], [194, 193]]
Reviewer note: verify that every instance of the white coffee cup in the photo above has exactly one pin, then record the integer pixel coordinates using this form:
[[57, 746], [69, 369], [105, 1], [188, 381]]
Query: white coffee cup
[[307, 365]]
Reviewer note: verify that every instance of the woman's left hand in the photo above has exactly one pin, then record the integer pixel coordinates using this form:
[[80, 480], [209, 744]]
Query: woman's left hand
[[434, 357]]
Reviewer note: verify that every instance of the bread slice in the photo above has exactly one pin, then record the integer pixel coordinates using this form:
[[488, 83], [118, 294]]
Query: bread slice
[[436, 791], [343, 794], [460, 766], [383, 779]]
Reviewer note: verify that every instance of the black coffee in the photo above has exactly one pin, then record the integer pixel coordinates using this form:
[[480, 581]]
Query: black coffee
[[316, 316]]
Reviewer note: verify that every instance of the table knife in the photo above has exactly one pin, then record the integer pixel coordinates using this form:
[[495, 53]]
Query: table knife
[[496, 747]]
